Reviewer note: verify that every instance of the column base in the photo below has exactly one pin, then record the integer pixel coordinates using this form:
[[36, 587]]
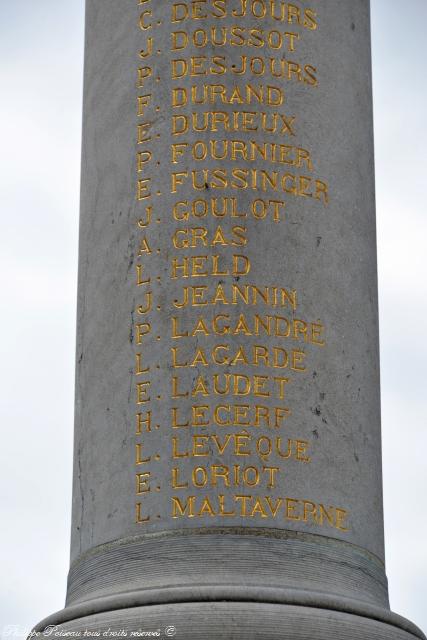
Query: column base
[[229, 584], [237, 621]]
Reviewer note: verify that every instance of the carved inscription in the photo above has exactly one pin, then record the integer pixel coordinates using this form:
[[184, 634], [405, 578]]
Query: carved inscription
[[231, 343]]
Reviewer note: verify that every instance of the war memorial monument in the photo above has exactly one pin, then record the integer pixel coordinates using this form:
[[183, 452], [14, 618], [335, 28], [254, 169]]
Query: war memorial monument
[[227, 462]]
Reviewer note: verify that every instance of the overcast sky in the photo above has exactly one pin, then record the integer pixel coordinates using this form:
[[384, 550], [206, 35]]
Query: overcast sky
[[41, 61]]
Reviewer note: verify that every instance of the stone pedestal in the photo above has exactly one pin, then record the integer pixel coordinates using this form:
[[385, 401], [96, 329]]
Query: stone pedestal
[[227, 479]]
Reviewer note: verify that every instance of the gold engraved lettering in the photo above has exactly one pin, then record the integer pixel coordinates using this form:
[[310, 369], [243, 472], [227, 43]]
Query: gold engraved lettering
[[210, 265], [142, 485], [231, 355], [240, 150], [248, 294], [139, 519], [143, 423], [249, 506], [142, 388], [144, 21], [139, 276], [139, 459], [248, 325], [213, 94]]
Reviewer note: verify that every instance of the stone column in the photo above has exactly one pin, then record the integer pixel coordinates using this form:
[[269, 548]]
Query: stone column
[[227, 479]]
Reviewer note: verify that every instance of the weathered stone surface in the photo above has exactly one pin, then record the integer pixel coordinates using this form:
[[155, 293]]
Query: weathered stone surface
[[227, 412], [239, 621]]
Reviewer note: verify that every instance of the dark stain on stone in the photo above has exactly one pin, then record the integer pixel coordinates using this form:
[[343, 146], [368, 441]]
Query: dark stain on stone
[[131, 261], [131, 329]]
